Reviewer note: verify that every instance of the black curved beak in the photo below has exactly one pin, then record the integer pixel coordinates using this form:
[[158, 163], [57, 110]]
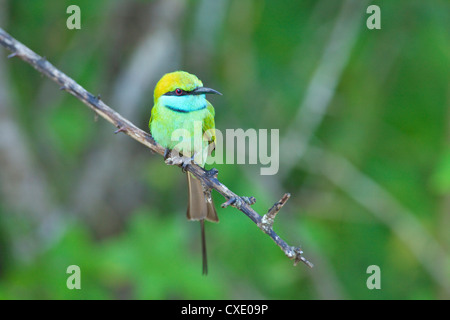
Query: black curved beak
[[204, 90]]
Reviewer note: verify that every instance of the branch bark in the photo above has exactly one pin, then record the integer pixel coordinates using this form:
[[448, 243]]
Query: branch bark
[[123, 125]]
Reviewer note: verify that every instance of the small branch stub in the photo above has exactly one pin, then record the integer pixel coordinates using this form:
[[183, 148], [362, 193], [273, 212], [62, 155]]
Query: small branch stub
[[12, 55], [120, 129], [268, 219], [299, 257]]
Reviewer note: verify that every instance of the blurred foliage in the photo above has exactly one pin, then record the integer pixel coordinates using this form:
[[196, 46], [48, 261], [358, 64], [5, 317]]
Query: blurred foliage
[[389, 116]]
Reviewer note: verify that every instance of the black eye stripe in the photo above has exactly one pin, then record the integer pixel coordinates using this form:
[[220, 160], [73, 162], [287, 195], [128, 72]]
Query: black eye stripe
[[174, 93], [184, 92]]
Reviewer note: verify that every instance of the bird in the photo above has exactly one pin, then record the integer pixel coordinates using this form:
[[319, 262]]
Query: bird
[[182, 121]]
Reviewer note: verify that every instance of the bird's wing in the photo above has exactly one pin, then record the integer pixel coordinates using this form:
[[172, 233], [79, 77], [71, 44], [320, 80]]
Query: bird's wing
[[209, 125], [151, 118]]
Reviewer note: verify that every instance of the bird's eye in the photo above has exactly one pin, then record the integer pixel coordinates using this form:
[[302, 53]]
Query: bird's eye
[[178, 92]]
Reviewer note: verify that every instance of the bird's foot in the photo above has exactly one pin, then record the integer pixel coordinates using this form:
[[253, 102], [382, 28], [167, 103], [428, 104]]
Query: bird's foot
[[166, 153], [181, 161], [212, 173], [237, 202], [186, 162]]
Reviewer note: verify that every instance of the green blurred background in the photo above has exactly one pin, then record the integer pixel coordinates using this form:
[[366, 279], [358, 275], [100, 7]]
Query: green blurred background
[[364, 150]]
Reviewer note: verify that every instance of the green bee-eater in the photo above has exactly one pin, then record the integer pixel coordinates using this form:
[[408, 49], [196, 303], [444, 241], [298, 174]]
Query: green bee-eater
[[180, 106]]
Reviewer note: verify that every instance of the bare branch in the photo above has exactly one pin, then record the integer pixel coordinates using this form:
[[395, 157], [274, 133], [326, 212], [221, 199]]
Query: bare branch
[[99, 107]]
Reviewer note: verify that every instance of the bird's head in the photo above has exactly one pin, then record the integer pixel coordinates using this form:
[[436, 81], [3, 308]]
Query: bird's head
[[182, 91]]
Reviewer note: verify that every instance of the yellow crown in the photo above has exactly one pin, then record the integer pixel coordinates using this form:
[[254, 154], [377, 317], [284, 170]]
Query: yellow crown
[[178, 79]]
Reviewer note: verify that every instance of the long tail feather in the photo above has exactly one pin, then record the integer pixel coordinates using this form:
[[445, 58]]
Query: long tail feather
[[204, 255], [201, 209]]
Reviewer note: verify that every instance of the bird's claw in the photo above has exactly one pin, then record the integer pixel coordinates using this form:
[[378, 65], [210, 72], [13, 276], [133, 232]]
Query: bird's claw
[[237, 202], [186, 162], [212, 173], [181, 161], [166, 153]]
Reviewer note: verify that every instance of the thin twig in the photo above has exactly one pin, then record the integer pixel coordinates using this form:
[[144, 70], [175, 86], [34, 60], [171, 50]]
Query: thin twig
[[99, 107], [269, 218]]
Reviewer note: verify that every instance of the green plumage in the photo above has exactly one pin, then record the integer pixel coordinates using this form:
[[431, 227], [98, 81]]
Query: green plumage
[[183, 120], [164, 122]]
